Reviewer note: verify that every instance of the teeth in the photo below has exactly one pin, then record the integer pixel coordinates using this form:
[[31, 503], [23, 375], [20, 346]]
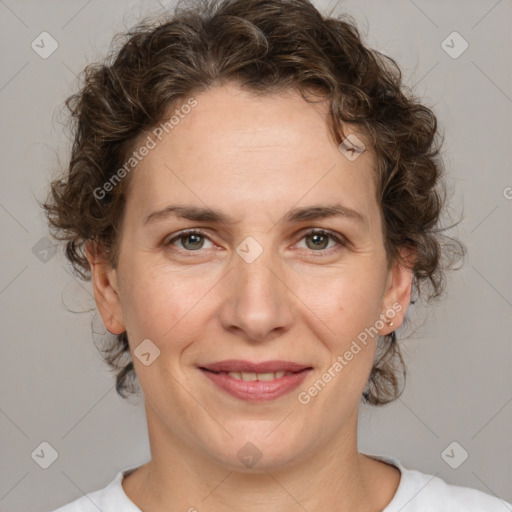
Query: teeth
[[249, 376]]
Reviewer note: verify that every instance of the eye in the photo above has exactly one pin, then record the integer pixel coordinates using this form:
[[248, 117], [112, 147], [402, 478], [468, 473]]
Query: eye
[[191, 241], [319, 240]]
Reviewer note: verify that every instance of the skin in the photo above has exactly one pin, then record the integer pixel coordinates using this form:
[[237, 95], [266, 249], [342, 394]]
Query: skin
[[254, 159]]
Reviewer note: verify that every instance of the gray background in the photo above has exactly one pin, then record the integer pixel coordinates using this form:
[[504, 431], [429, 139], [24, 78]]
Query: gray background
[[54, 386]]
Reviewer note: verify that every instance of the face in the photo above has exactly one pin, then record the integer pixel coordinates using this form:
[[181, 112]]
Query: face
[[262, 284]]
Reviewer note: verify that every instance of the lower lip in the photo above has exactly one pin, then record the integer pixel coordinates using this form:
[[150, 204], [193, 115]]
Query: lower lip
[[257, 391]]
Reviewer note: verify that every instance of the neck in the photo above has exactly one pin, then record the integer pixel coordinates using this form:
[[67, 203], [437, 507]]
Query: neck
[[331, 477]]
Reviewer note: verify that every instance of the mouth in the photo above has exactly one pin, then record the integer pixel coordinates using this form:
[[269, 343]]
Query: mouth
[[256, 381], [253, 376], [241, 366]]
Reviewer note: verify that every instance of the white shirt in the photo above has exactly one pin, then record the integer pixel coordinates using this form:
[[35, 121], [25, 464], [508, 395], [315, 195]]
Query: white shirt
[[417, 492]]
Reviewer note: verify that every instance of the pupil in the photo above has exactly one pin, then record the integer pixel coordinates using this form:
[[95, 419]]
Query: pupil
[[197, 237], [316, 237]]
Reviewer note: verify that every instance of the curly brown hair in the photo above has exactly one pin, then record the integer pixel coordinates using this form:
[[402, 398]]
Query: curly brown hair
[[265, 46]]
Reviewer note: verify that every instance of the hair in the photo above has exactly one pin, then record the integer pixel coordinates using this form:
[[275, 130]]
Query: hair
[[265, 46]]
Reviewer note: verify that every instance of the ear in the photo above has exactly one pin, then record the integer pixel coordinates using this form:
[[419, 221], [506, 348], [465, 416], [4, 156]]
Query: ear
[[106, 294], [397, 296]]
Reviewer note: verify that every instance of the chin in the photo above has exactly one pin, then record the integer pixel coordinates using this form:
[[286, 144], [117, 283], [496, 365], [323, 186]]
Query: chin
[[256, 448]]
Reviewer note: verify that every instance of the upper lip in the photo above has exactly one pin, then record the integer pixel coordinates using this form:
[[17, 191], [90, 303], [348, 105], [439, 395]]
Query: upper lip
[[237, 365]]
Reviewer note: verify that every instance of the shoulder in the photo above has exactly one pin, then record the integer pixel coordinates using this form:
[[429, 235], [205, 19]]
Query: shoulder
[[421, 492], [84, 504], [428, 492], [109, 499]]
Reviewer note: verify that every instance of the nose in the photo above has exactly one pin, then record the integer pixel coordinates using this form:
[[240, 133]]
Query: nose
[[257, 304]]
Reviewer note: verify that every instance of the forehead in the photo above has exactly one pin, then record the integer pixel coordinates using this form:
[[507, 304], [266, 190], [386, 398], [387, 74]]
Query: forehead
[[252, 153]]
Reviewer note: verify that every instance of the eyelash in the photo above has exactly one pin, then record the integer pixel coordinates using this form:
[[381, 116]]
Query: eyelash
[[314, 231]]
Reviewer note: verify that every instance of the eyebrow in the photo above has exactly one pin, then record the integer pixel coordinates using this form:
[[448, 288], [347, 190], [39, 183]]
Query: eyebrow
[[199, 214]]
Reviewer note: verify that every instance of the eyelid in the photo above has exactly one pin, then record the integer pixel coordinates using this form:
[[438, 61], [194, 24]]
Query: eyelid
[[183, 233], [340, 240]]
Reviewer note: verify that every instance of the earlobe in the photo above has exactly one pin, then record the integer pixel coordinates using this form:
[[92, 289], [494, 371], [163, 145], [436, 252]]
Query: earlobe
[[106, 290]]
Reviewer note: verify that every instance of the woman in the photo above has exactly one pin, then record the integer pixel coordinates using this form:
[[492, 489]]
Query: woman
[[256, 199]]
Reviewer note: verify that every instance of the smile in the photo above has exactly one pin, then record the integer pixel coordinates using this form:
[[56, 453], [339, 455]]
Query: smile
[[256, 387]]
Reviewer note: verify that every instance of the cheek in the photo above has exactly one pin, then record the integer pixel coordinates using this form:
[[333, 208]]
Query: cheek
[[349, 309], [159, 304], [347, 302], [345, 310]]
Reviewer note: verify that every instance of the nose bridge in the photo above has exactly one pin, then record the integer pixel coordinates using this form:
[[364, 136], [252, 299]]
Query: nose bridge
[[257, 298]]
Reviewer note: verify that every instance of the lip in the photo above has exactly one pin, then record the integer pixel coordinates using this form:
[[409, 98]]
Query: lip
[[238, 365], [257, 391]]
